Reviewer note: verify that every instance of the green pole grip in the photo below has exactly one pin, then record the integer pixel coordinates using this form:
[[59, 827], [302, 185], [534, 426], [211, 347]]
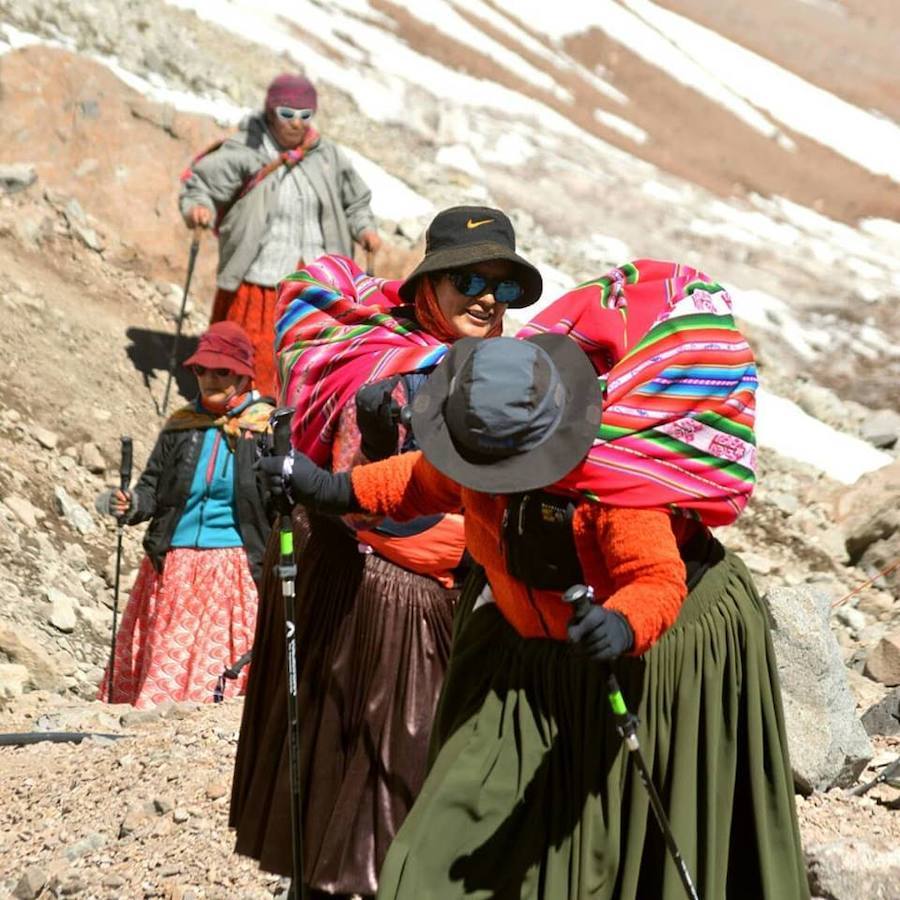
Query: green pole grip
[[287, 542], [617, 702]]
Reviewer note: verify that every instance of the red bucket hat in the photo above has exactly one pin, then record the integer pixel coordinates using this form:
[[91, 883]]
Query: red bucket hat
[[224, 345]]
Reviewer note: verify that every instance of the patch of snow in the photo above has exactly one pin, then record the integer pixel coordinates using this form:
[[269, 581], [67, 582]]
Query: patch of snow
[[510, 150], [772, 314], [391, 198], [382, 82], [608, 249], [886, 229], [561, 19], [868, 139], [623, 126], [668, 193], [459, 156], [153, 87], [224, 111], [784, 427]]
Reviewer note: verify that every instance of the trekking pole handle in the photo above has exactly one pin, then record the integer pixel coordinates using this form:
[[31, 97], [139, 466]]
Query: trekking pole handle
[[125, 463], [125, 455], [280, 421], [581, 597]]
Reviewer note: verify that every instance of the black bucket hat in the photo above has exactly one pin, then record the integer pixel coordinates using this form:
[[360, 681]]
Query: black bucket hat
[[465, 235], [502, 415]]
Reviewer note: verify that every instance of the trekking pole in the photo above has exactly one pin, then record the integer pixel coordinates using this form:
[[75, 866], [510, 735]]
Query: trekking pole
[[370, 262], [287, 572], [124, 483], [886, 774], [581, 597], [192, 258]]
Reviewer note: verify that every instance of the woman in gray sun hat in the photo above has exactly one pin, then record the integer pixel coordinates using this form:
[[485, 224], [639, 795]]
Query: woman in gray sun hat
[[530, 792]]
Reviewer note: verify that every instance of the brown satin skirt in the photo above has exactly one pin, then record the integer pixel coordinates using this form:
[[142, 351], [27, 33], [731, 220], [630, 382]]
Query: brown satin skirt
[[373, 645]]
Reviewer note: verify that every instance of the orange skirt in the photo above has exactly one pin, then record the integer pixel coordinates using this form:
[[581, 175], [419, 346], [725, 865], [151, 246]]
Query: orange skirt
[[252, 306]]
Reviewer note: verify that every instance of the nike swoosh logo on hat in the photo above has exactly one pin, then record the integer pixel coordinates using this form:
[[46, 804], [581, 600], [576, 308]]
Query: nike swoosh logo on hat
[[471, 224]]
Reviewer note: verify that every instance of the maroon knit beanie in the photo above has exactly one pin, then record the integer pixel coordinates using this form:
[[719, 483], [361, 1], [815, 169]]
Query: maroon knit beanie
[[295, 91]]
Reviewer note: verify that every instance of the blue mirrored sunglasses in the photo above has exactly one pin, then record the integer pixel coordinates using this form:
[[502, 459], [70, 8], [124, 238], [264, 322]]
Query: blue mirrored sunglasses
[[472, 284], [289, 114]]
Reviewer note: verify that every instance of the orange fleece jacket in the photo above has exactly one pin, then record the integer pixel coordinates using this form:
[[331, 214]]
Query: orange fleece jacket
[[629, 556]]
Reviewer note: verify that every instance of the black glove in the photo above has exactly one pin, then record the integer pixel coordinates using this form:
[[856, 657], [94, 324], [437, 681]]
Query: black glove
[[299, 479], [601, 634], [377, 414]]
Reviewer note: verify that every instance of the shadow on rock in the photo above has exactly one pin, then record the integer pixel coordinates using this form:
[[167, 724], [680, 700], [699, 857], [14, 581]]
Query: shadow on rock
[[151, 354]]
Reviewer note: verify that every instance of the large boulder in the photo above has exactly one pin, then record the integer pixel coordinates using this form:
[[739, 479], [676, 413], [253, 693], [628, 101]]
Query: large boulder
[[852, 870], [828, 744]]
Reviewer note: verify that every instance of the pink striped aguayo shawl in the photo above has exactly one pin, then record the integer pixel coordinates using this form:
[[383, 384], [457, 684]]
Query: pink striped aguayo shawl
[[679, 384], [336, 329]]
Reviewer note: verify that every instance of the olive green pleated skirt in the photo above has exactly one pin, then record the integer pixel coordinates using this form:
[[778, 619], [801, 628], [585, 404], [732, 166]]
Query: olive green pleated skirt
[[532, 794]]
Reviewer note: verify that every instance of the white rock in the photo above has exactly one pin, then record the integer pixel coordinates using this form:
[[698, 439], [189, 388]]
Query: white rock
[[47, 439], [62, 613], [22, 510], [12, 679], [851, 617], [77, 516]]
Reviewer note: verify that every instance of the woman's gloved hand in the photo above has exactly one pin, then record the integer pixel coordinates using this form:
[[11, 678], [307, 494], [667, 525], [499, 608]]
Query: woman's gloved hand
[[377, 415], [601, 634], [113, 502], [300, 480]]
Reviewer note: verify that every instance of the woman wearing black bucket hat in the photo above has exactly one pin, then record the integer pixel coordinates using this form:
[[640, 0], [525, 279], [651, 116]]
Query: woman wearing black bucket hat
[[529, 792], [375, 597]]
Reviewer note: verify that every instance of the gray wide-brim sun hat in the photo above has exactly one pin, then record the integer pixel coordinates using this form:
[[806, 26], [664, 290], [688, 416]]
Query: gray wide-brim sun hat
[[502, 415], [465, 236]]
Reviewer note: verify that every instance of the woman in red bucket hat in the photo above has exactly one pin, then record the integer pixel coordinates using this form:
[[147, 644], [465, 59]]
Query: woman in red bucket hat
[[192, 611]]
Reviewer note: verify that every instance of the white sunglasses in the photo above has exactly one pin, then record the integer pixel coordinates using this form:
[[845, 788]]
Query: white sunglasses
[[289, 114]]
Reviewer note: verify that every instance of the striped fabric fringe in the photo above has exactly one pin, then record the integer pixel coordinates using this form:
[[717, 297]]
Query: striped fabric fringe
[[337, 329], [679, 383]]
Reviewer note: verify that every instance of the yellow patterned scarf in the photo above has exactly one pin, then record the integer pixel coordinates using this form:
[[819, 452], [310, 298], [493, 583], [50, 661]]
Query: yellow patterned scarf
[[247, 413]]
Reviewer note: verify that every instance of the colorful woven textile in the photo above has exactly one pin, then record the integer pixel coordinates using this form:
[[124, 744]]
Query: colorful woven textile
[[337, 329], [679, 384]]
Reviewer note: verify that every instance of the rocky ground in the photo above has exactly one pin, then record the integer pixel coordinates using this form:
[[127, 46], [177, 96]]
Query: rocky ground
[[90, 288]]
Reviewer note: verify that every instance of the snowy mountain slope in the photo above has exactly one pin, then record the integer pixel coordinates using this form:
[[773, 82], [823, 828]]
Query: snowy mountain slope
[[509, 103]]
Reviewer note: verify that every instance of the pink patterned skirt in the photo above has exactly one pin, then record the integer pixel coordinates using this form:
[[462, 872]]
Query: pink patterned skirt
[[182, 628]]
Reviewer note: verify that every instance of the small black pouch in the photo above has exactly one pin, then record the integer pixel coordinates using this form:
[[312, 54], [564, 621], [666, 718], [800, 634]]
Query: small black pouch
[[539, 543]]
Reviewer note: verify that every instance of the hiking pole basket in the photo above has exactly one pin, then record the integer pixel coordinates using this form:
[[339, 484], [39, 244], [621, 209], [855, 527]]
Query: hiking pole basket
[[173, 358], [124, 484], [581, 597], [287, 572]]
